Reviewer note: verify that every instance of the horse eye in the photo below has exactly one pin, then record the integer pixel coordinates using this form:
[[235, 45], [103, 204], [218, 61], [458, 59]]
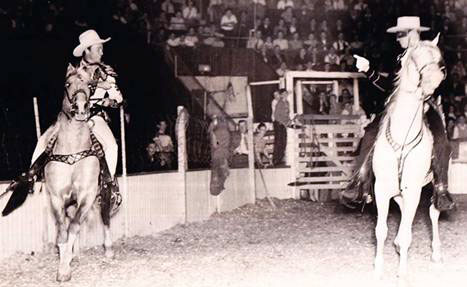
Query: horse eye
[[67, 85]]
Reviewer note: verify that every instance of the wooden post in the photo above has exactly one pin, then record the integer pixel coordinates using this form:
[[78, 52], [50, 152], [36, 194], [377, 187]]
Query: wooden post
[[36, 117], [251, 151], [181, 150], [126, 195]]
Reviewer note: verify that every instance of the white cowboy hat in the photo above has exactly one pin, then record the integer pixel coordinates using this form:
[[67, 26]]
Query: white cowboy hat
[[87, 39], [406, 23]]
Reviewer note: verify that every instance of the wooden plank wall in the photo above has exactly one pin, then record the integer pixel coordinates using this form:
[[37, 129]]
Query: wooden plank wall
[[325, 152], [156, 202]]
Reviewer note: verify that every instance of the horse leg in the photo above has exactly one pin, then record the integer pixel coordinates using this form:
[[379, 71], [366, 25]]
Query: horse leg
[[109, 253], [381, 230], [400, 202], [411, 199], [436, 242], [71, 213], [66, 251], [64, 272]]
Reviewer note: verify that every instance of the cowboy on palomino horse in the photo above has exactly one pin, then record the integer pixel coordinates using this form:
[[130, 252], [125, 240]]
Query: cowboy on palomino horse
[[408, 35], [104, 93]]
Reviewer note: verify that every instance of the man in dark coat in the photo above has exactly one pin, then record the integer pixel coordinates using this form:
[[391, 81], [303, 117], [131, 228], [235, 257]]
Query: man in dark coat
[[408, 35]]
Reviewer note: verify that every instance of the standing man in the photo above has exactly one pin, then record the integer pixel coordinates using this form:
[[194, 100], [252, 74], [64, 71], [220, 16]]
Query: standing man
[[105, 93], [408, 35], [281, 120]]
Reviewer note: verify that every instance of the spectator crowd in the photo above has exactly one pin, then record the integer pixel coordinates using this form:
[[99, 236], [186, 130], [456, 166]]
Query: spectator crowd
[[308, 35]]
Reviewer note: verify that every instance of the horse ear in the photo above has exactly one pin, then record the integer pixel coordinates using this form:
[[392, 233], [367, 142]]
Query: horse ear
[[435, 40], [69, 68]]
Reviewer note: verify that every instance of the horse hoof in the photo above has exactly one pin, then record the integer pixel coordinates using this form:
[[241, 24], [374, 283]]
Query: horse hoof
[[109, 253], [437, 259], [63, 277]]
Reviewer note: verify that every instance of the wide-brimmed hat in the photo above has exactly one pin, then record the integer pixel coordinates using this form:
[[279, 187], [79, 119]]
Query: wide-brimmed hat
[[407, 23], [87, 39]]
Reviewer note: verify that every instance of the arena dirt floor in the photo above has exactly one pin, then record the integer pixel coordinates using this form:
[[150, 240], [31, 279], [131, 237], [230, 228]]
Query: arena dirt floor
[[301, 243]]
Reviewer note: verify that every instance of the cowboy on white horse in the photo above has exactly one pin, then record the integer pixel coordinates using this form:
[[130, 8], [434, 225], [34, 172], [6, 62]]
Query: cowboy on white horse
[[408, 35], [104, 93]]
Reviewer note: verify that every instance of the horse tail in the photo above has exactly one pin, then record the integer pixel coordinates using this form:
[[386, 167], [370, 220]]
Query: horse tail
[[361, 182]]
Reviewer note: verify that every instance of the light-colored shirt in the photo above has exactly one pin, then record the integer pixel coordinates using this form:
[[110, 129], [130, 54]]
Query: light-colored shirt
[[107, 77]]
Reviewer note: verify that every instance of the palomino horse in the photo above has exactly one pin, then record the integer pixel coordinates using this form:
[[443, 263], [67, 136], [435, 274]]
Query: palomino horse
[[72, 174], [403, 150]]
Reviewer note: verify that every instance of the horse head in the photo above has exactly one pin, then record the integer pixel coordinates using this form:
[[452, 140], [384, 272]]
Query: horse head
[[76, 103], [430, 66]]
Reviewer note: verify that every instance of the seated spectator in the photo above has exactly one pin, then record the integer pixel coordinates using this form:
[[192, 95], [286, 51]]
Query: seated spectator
[[340, 45], [168, 7], [309, 66], [287, 15], [282, 69], [348, 59], [283, 4], [301, 59], [266, 27], [323, 42], [324, 27], [346, 96], [191, 40], [255, 41], [228, 22], [293, 27], [262, 153], [281, 42], [280, 27], [177, 23], [339, 28], [316, 58], [312, 27], [277, 57], [332, 59], [149, 161], [360, 6], [347, 110], [228, 25], [173, 41], [311, 42], [190, 13], [339, 5], [335, 107], [268, 43], [295, 44], [264, 53], [164, 146], [460, 129]]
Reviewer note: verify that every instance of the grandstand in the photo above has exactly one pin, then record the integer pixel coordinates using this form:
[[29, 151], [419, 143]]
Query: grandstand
[[152, 49]]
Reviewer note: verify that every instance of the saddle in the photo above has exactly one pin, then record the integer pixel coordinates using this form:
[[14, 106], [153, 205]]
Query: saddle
[[109, 197]]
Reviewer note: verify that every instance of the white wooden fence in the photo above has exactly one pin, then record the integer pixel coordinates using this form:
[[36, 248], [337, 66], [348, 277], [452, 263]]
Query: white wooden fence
[[153, 202]]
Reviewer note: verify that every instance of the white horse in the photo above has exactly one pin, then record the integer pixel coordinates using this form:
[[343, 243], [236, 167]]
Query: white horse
[[403, 150]]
